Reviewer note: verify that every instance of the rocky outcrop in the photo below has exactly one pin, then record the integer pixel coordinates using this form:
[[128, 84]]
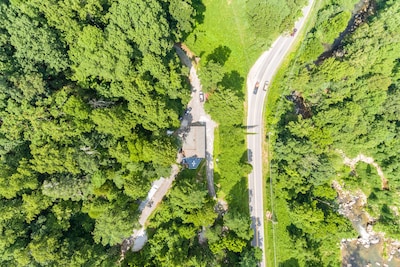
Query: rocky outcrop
[[351, 205]]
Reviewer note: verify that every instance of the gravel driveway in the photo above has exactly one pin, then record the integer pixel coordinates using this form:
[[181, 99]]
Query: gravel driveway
[[199, 114]]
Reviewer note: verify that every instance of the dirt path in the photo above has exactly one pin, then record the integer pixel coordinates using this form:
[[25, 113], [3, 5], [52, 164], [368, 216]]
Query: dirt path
[[158, 196], [140, 235], [353, 162]]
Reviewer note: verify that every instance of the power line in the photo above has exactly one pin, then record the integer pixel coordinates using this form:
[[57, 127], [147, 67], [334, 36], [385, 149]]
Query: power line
[[271, 198]]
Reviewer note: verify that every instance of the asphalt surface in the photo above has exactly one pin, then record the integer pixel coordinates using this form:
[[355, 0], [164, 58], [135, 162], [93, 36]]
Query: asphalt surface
[[263, 70]]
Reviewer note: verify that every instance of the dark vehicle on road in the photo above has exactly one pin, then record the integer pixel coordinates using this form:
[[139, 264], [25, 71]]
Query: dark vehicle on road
[[256, 88], [293, 32], [201, 96], [249, 155], [266, 85]]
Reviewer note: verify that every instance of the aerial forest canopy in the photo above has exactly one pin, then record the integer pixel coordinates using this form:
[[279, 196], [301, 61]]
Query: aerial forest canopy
[[346, 101], [87, 92]]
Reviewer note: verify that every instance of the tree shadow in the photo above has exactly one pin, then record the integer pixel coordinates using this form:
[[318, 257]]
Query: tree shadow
[[294, 232], [292, 262], [239, 193], [220, 55], [247, 156], [200, 9], [246, 127], [217, 179], [233, 81]]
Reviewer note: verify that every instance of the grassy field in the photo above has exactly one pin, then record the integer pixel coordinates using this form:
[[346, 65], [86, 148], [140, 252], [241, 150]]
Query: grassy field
[[225, 24]]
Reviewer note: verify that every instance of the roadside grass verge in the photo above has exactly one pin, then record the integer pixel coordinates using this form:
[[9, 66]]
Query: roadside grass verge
[[278, 208], [231, 168], [272, 113]]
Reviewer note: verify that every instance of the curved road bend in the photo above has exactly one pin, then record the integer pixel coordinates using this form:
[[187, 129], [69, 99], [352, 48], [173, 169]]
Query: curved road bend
[[262, 71]]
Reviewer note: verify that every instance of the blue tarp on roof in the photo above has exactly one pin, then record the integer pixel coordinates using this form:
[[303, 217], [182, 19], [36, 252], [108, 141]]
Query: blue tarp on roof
[[192, 163]]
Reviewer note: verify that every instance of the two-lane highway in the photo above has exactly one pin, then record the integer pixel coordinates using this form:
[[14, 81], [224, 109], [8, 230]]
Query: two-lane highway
[[262, 71]]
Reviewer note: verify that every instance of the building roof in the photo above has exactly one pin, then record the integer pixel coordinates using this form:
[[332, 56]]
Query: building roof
[[192, 163], [194, 144]]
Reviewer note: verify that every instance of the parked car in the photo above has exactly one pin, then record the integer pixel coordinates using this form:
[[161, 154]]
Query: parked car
[[256, 88], [266, 85], [187, 111], [293, 32], [201, 96]]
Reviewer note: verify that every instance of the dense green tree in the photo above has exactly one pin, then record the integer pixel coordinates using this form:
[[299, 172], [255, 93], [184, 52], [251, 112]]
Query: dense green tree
[[182, 13], [239, 224], [228, 101], [113, 226], [87, 92], [269, 18], [211, 75], [45, 54], [34, 204]]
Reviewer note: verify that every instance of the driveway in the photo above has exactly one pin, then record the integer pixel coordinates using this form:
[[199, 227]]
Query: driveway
[[198, 114]]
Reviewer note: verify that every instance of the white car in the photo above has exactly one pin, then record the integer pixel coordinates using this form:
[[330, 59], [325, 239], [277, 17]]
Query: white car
[[201, 96], [266, 85]]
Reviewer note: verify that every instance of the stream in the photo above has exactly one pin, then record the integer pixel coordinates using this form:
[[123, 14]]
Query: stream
[[369, 248]]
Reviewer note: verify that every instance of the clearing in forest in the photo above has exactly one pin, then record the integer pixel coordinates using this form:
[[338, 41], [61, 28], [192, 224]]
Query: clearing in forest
[[225, 25]]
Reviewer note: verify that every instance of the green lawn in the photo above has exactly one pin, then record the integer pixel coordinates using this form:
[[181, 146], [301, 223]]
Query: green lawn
[[225, 24]]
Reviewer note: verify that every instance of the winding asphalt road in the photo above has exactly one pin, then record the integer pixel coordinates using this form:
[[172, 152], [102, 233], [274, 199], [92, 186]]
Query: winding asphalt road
[[262, 71]]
